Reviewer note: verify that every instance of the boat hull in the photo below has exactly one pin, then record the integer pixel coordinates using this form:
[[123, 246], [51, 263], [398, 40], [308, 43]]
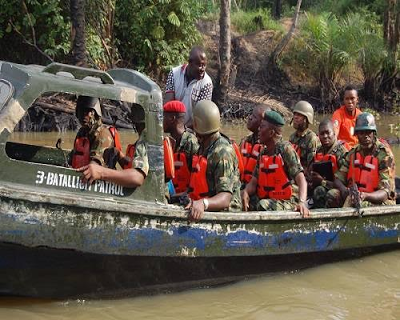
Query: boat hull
[[60, 274]]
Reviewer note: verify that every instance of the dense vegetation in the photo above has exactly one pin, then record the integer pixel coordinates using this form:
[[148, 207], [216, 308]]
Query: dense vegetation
[[335, 38]]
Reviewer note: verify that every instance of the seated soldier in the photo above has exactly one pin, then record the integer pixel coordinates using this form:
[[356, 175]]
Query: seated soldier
[[215, 180], [250, 146], [277, 166], [93, 138], [304, 140], [135, 162], [366, 176], [185, 144], [332, 152]]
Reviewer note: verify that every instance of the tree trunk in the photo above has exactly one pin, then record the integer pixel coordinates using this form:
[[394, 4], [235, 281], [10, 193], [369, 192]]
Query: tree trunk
[[77, 8], [277, 10], [391, 25], [286, 39], [222, 88]]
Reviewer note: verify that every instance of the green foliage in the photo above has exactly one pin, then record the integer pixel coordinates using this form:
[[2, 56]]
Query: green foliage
[[39, 23], [155, 34], [250, 21]]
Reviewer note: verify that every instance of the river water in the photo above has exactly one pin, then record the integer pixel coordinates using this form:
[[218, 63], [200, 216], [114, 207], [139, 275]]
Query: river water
[[367, 288]]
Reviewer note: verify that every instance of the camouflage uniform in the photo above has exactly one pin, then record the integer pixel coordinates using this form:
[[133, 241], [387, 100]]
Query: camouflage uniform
[[189, 145], [222, 170], [386, 175], [140, 159], [100, 139], [292, 167], [308, 143], [319, 193]]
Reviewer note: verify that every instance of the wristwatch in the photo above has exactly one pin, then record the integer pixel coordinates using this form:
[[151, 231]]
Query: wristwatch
[[323, 183], [205, 203]]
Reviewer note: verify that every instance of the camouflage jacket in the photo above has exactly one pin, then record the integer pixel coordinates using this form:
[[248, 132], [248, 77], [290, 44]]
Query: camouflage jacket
[[292, 165], [189, 145], [308, 143], [100, 139], [222, 170], [386, 165], [140, 159]]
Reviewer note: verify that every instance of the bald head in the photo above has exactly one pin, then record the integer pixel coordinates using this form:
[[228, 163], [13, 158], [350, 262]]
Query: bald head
[[195, 53]]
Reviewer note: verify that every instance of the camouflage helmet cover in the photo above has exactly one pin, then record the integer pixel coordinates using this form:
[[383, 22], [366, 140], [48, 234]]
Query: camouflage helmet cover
[[365, 121], [306, 109], [206, 117]]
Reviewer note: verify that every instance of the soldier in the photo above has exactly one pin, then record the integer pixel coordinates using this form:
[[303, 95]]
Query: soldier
[[367, 174], [93, 138], [250, 146], [215, 180], [277, 167], [304, 140], [185, 144], [135, 162], [331, 150]]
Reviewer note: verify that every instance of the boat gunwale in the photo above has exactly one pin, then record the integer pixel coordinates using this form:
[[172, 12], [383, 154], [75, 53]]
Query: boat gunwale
[[161, 210]]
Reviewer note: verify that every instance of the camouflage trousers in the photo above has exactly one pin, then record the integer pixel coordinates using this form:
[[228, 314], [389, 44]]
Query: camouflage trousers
[[334, 200], [272, 204]]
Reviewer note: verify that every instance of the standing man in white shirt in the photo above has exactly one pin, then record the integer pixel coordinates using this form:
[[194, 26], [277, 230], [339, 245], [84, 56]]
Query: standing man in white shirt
[[190, 83]]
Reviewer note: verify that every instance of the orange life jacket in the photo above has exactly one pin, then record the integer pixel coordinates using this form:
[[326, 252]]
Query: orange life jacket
[[319, 157], [81, 154], [273, 182], [364, 172], [198, 187], [182, 173], [239, 157], [130, 152], [115, 135], [169, 168], [250, 154]]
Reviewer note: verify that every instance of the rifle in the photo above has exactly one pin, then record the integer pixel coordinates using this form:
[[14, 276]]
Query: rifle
[[355, 198]]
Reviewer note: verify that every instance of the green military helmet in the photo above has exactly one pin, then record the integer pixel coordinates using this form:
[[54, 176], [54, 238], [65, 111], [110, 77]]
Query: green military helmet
[[306, 109], [206, 117], [365, 121], [86, 102]]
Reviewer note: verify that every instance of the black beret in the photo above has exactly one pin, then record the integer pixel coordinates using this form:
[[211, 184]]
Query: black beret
[[274, 118]]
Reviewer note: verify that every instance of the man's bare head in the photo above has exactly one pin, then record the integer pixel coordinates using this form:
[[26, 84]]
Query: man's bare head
[[197, 63]]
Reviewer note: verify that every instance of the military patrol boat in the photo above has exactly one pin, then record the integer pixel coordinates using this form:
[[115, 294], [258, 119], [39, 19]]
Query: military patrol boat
[[61, 238]]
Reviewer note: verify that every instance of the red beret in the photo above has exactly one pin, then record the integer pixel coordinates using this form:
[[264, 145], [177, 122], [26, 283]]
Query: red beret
[[174, 106]]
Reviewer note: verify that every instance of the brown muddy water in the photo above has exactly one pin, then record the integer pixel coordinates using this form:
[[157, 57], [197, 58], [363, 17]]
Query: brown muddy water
[[367, 288]]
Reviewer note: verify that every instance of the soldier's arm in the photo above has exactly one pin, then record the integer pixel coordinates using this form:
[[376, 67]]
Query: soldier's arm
[[376, 197], [101, 143]]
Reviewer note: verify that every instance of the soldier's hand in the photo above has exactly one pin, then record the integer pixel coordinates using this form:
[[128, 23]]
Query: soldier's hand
[[196, 210], [245, 200], [316, 178], [91, 172], [302, 208]]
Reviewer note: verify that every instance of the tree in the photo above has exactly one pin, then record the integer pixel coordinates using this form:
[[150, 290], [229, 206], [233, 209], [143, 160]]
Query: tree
[[391, 26], [77, 9], [222, 87], [277, 9]]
